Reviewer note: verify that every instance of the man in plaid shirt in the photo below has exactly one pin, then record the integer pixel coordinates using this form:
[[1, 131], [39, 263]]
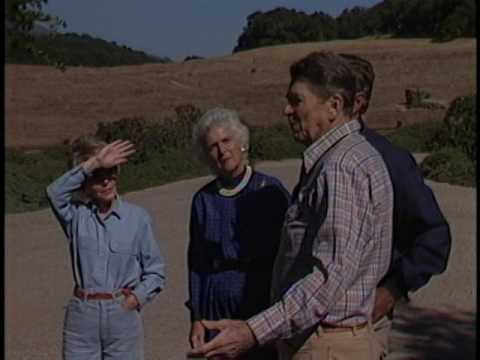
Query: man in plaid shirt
[[337, 235]]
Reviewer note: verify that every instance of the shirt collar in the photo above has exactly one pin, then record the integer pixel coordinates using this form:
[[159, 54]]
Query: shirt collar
[[326, 141], [118, 207]]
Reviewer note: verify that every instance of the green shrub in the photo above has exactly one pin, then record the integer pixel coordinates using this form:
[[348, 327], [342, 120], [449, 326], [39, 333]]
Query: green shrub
[[161, 168], [27, 175], [450, 165], [415, 97], [177, 132], [134, 129], [452, 143], [273, 143], [458, 129], [163, 155], [418, 137], [418, 98], [153, 137], [461, 124]]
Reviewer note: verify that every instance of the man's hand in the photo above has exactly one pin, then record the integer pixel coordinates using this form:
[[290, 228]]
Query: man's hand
[[384, 303], [130, 302], [234, 339], [197, 334]]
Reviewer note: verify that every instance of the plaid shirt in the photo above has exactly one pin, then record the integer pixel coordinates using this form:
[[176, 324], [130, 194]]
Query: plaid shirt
[[336, 240]]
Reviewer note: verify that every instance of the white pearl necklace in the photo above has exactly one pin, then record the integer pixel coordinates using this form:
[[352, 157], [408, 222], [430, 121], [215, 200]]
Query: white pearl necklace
[[241, 185]]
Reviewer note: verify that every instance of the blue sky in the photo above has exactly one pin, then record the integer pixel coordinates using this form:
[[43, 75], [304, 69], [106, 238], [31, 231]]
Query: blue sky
[[177, 28]]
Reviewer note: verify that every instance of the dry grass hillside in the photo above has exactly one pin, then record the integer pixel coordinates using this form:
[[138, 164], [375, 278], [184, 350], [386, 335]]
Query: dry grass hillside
[[45, 106]]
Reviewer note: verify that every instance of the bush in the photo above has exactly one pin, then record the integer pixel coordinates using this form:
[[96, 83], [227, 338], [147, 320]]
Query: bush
[[163, 154], [27, 176], [133, 129], [461, 124], [418, 98], [450, 165], [452, 143], [177, 132], [273, 143], [419, 137], [151, 138], [415, 97], [161, 168]]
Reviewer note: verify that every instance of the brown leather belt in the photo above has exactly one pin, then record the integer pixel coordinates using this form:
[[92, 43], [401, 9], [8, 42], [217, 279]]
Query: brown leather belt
[[82, 294], [329, 328]]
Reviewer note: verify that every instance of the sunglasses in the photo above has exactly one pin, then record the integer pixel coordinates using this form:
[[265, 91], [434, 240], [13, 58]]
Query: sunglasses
[[102, 174]]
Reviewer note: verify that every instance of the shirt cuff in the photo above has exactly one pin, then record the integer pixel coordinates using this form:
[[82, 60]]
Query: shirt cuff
[[141, 297], [264, 324]]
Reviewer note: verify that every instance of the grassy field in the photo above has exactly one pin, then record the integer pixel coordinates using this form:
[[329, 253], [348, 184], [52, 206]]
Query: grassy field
[[45, 106]]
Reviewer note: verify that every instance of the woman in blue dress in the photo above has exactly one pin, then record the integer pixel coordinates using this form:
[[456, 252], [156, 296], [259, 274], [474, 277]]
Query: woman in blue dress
[[235, 227]]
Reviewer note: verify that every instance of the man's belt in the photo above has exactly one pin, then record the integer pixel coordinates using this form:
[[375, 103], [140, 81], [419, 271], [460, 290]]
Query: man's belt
[[332, 328]]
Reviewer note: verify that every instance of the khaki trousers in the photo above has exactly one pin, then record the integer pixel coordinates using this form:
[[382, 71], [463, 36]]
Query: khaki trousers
[[382, 329], [361, 344]]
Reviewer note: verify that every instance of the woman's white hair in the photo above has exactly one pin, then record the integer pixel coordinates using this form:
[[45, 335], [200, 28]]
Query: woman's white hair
[[219, 118]]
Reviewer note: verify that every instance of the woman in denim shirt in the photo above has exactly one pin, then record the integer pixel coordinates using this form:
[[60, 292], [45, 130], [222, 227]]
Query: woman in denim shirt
[[117, 265]]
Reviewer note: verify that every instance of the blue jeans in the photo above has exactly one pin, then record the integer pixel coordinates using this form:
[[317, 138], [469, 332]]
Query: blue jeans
[[102, 329]]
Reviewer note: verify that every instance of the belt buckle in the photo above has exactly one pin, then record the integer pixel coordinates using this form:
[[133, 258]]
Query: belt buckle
[[122, 292], [353, 329], [118, 293]]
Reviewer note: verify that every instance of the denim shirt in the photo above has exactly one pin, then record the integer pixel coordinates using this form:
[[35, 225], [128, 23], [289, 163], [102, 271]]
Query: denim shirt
[[112, 253]]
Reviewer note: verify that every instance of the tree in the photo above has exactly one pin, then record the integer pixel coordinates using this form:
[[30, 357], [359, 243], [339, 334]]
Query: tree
[[284, 26], [352, 23], [21, 18], [442, 20], [459, 21]]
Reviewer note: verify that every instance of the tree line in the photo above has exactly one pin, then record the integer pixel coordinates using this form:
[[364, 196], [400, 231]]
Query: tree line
[[32, 38], [441, 20], [73, 49]]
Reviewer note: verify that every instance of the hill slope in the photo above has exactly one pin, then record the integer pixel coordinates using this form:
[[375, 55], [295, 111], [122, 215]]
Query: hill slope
[[73, 49], [44, 105]]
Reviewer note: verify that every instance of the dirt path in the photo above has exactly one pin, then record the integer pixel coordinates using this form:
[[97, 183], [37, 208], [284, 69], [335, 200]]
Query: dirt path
[[38, 279]]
